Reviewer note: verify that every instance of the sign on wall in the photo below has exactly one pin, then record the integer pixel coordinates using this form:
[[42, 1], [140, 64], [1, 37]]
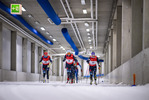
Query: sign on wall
[[16, 9]]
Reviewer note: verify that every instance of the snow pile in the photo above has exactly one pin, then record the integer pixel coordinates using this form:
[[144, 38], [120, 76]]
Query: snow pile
[[63, 91]]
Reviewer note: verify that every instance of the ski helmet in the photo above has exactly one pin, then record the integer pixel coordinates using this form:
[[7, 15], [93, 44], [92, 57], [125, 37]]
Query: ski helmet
[[68, 51], [93, 53], [45, 53]]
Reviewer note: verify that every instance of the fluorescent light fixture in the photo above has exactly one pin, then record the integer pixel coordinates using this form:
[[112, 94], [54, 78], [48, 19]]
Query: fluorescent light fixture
[[36, 22], [48, 41], [88, 34], [84, 11], [42, 28], [47, 33], [89, 37], [54, 39], [91, 47], [89, 40], [98, 56], [63, 48], [83, 2], [86, 24], [87, 30], [51, 36], [23, 9]]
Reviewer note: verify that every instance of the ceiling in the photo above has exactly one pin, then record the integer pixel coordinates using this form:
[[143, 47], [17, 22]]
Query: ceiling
[[32, 7]]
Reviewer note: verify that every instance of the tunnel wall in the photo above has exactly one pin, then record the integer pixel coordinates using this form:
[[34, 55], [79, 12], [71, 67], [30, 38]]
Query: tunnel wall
[[139, 65], [16, 72]]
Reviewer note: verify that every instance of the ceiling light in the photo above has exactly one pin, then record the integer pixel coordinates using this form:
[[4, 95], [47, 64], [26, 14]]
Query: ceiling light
[[49, 41], [54, 39], [51, 36], [84, 11], [42, 28], [98, 56], [86, 24], [63, 48], [23, 9], [87, 30], [89, 37], [89, 40], [83, 2], [91, 47], [36, 22], [88, 33], [47, 33]]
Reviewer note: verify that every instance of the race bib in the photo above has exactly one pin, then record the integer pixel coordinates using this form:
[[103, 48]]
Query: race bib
[[92, 62], [69, 61], [45, 62]]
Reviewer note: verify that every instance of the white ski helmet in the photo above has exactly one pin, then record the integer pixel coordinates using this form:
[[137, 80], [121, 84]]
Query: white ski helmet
[[68, 51]]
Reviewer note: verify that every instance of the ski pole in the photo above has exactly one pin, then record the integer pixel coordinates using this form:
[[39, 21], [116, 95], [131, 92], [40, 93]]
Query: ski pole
[[52, 71]]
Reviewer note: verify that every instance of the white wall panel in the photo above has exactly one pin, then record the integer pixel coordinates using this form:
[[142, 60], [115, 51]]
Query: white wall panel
[[19, 54], [36, 59], [28, 56], [6, 48]]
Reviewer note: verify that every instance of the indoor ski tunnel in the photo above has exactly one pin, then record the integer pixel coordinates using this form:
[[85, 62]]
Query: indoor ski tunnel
[[74, 49]]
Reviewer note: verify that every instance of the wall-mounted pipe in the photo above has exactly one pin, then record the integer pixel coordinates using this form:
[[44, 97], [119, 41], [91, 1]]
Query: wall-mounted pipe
[[69, 40], [71, 23], [82, 57], [75, 23], [96, 23], [46, 6], [18, 17], [24, 32]]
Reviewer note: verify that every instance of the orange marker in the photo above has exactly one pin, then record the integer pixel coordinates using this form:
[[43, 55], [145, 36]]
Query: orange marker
[[134, 80]]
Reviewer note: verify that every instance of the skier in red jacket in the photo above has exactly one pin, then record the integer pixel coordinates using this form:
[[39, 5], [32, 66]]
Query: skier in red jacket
[[69, 58], [46, 61], [93, 66]]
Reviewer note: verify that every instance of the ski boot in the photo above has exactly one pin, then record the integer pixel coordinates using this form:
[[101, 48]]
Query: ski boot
[[71, 81], [91, 82], [76, 81], [67, 80], [47, 80], [44, 80], [95, 83]]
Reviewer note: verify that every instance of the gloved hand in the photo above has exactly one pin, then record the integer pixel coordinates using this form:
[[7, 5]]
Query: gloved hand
[[40, 62], [49, 65]]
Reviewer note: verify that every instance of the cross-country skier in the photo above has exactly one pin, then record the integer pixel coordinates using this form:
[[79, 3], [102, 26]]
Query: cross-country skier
[[93, 66], [46, 61], [69, 58]]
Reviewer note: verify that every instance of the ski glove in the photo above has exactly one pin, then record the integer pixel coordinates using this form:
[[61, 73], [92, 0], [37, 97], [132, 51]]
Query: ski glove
[[49, 65]]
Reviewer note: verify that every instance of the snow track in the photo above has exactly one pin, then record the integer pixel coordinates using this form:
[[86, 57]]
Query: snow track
[[63, 91]]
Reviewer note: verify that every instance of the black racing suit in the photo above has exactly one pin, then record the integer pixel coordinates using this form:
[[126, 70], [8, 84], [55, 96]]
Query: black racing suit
[[45, 67], [93, 69], [70, 67]]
